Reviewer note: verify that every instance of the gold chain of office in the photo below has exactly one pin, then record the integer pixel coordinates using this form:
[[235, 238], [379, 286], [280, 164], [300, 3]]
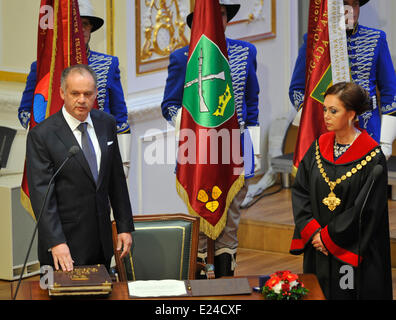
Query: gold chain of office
[[331, 201]]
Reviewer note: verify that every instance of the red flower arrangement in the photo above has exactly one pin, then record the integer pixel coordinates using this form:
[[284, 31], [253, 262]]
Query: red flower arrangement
[[284, 285]]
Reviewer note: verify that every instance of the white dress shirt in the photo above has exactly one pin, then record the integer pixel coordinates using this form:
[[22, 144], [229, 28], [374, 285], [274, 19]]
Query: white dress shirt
[[74, 123]]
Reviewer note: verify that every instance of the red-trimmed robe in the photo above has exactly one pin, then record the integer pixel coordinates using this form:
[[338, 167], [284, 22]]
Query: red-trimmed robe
[[339, 228]]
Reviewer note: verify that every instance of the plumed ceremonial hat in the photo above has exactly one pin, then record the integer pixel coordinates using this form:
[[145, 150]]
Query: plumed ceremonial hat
[[87, 11], [232, 10]]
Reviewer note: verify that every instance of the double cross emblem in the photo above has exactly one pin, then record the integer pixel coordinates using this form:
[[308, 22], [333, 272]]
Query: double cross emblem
[[202, 105]]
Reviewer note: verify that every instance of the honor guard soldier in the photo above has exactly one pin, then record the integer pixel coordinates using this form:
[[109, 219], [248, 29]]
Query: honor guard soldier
[[371, 67]]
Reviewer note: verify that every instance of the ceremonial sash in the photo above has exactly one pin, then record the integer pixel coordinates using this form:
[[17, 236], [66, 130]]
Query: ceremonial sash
[[326, 63]]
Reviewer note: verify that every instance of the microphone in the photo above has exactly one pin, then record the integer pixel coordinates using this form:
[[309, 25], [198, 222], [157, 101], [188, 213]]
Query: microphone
[[72, 151], [377, 171]]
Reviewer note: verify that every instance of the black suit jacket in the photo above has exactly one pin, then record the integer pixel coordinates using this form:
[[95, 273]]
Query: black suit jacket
[[78, 209]]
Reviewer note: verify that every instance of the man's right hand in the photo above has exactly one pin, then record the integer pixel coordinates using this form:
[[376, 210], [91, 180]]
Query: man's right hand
[[62, 257]]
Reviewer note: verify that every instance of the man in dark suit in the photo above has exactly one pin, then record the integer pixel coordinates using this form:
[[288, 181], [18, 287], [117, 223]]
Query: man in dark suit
[[75, 226]]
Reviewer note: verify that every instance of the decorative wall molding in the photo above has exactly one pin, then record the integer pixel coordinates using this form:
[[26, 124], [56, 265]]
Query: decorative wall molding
[[9, 102], [139, 109], [144, 108], [160, 29]]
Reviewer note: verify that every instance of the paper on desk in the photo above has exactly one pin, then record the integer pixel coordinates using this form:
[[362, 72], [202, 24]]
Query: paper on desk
[[157, 288]]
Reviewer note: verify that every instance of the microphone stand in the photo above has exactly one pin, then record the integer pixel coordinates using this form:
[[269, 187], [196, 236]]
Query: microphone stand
[[1, 152], [72, 152]]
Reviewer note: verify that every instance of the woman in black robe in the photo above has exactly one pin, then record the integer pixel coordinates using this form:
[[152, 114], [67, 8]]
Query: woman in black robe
[[334, 179]]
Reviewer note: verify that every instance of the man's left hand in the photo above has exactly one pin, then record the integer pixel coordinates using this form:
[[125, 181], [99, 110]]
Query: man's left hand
[[124, 242]]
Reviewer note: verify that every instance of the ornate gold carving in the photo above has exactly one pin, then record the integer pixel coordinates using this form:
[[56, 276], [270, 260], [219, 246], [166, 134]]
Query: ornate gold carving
[[258, 11], [164, 20]]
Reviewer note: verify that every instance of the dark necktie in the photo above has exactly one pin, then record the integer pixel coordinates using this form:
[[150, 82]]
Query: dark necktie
[[88, 149]]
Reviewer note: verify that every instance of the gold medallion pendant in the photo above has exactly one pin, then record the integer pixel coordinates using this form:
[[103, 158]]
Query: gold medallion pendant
[[331, 201]]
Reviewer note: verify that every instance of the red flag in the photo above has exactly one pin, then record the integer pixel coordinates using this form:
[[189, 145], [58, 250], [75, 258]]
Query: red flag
[[318, 77], [210, 167], [60, 44]]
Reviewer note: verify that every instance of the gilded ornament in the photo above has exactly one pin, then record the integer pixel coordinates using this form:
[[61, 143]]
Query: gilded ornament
[[168, 18], [331, 201]]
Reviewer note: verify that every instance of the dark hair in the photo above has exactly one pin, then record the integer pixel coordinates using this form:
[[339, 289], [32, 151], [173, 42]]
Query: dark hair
[[354, 97], [80, 68]]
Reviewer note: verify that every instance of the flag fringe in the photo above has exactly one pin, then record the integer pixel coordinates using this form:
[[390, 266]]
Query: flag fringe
[[25, 201], [207, 228], [53, 58], [294, 171]]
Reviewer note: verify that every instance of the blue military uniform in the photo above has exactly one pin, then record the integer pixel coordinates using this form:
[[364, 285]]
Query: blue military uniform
[[242, 59], [371, 67], [110, 94]]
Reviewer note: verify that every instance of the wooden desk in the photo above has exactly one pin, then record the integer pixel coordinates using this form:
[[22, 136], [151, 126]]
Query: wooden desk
[[30, 290]]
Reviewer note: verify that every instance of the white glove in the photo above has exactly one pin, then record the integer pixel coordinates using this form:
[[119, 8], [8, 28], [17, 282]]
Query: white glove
[[255, 135], [124, 144], [177, 121], [386, 149], [297, 119], [267, 180], [388, 134]]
